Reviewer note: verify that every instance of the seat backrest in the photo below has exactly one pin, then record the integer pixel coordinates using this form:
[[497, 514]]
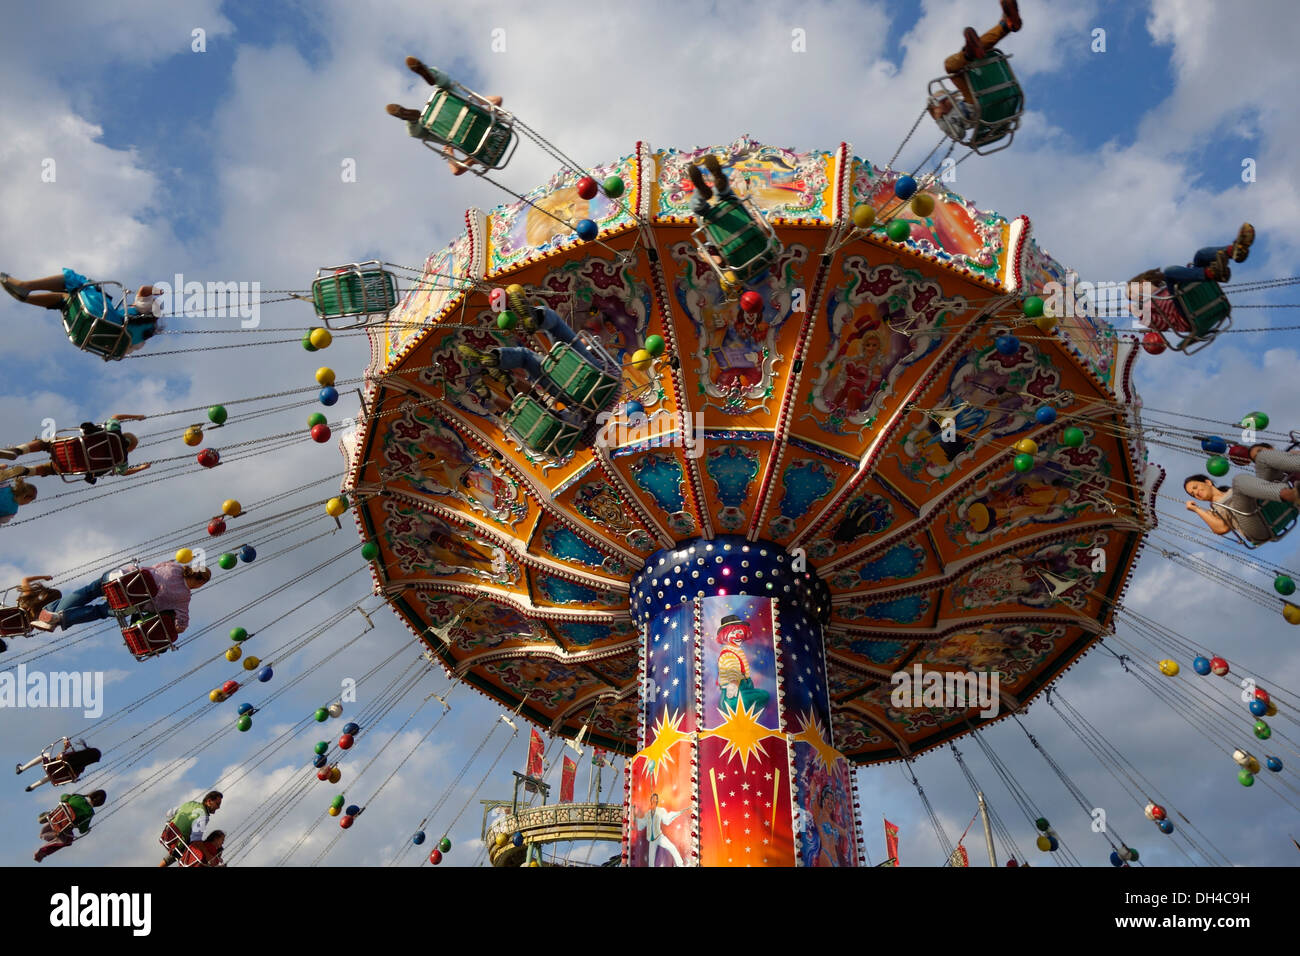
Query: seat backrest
[[13, 622], [1203, 304], [995, 89]]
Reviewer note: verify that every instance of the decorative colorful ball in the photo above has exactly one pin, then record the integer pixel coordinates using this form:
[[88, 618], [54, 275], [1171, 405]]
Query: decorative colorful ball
[[250, 662], [898, 230], [346, 821], [1258, 708], [248, 554], [1217, 466], [502, 839], [316, 418], [265, 674], [418, 838], [1042, 824], [229, 687], [445, 844], [1166, 827], [923, 205], [1044, 843], [193, 435], [1262, 730], [1218, 666], [517, 838], [209, 458], [1284, 585], [1290, 613], [1169, 667], [1201, 665], [435, 857], [641, 359], [323, 775], [184, 556], [231, 508], [324, 375], [335, 709], [1026, 446], [586, 230], [1157, 812], [1257, 420], [1045, 415], [1241, 758], [351, 728], [1023, 462], [1013, 862], [1033, 307], [321, 746], [227, 561], [1129, 854], [507, 320], [863, 216], [238, 634], [320, 338], [1052, 843], [1245, 778], [1007, 344], [634, 411], [216, 696], [353, 810], [345, 742], [1072, 437], [613, 186], [244, 722], [333, 811], [336, 506], [533, 863], [1262, 694], [1252, 764], [217, 414], [234, 653], [217, 526], [1214, 445], [335, 774], [370, 551], [328, 395], [586, 187], [751, 302], [321, 715], [320, 760], [1273, 764], [1153, 343], [905, 187], [320, 434], [306, 343], [1045, 323], [1115, 860]]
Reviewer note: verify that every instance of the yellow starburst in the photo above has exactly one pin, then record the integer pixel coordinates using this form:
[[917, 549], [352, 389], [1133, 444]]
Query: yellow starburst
[[811, 734], [743, 734], [667, 734]]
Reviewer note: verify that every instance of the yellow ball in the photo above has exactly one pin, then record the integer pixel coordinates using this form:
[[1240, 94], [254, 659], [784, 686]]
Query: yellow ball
[[533, 863], [216, 696], [1271, 711], [193, 435], [231, 508], [334, 811], [1043, 843], [1045, 322], [1169, 668], [1252, 765], [335, 507], [335, 774], [184, 556], [320, 338], [233, 654], [514, 289], [324, 376], [250, 663], [641, 359], [502, 839], [863, 216], [1290, 612], [1027, 446], [923, 204]]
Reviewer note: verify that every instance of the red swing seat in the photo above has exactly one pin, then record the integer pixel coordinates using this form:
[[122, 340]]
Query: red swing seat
[[61, 819], [95, 454], [151, 635], [14, 622], [133, 589]]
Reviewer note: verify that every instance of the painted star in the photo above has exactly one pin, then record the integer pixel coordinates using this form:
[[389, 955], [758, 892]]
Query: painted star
[[666, 735], [811, 733]]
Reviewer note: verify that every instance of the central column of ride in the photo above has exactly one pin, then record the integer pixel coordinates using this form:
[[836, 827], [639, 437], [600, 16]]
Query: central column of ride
[[736, 765]]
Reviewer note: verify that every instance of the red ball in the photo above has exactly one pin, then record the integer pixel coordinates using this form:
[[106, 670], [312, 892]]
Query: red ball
[[1153, 343], [1261, 694], [435, 857], [323, 774], [751, 302], [345, 742], [320, 433], [345, 821], [217, 526], [1239, 455], [587, 187], [209, 458], [229, 687], [1158, 811], [1218, 666]]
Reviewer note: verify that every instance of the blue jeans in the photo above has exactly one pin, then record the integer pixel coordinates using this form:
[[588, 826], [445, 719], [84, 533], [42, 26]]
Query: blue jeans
[[76, 606], [1175, 275]]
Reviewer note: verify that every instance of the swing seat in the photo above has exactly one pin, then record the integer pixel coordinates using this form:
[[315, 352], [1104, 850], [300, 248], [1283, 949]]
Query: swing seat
[[192, 857], [540, 429], [470, 125], [582, 383], [14, 622], [95, 454], [131, 590], [151, 635], [61, 819], [1205, 312], [993, 115], [743, 238], [59, 771], [354, 291], [102, 333], [171, 837]]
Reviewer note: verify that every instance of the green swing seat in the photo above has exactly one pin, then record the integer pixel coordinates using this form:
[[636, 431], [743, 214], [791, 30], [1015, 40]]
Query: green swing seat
[[476, 129], [744, 245], [582, 383], [359, 290], [1206, 310], [540, 429], [998, 102], [1280, 516], [95, 333]]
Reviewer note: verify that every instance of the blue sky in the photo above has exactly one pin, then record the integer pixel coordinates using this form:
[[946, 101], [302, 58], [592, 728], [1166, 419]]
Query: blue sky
[[224, 165]]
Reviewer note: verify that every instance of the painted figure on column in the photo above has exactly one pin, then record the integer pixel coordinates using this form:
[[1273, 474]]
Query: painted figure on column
[[733, 668], [653, 823]]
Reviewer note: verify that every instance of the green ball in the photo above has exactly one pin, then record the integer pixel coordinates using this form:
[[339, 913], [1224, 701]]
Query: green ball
[[1245, 778], [306, 343], [1217, 466], [244, 722], [898, 230], [322, 746], [370, 551], [217, 414], [1042, 824], [444, 844], [1033, 307], [1133, 854], [316, 418], [227, 561], [1283, 585], [655, 345], [238, 634], [321, 715], [1256, 420], [507, 320], [1022, 462], [338, 800], [1072, 437], [1262, 730], [613, 186]]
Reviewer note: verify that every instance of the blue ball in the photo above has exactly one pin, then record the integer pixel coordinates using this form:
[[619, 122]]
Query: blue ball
[[1052, 841], [351, 728], [1008, 344], [1201, 665], [1115, 860], [418, 838], [248, 554], [1272, 763], [319, 761], [265, 674], [245, 709], [905, 187], [1258, 708], [586, 230], [329, 395], [517, 839], [352, 810], [1165, 826], [634, 408], [1214, 445], [1045, 415]]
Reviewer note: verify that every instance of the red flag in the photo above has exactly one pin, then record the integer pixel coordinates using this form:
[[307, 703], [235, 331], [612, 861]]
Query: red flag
[[535, 750], [567, 777], [891, 841]]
